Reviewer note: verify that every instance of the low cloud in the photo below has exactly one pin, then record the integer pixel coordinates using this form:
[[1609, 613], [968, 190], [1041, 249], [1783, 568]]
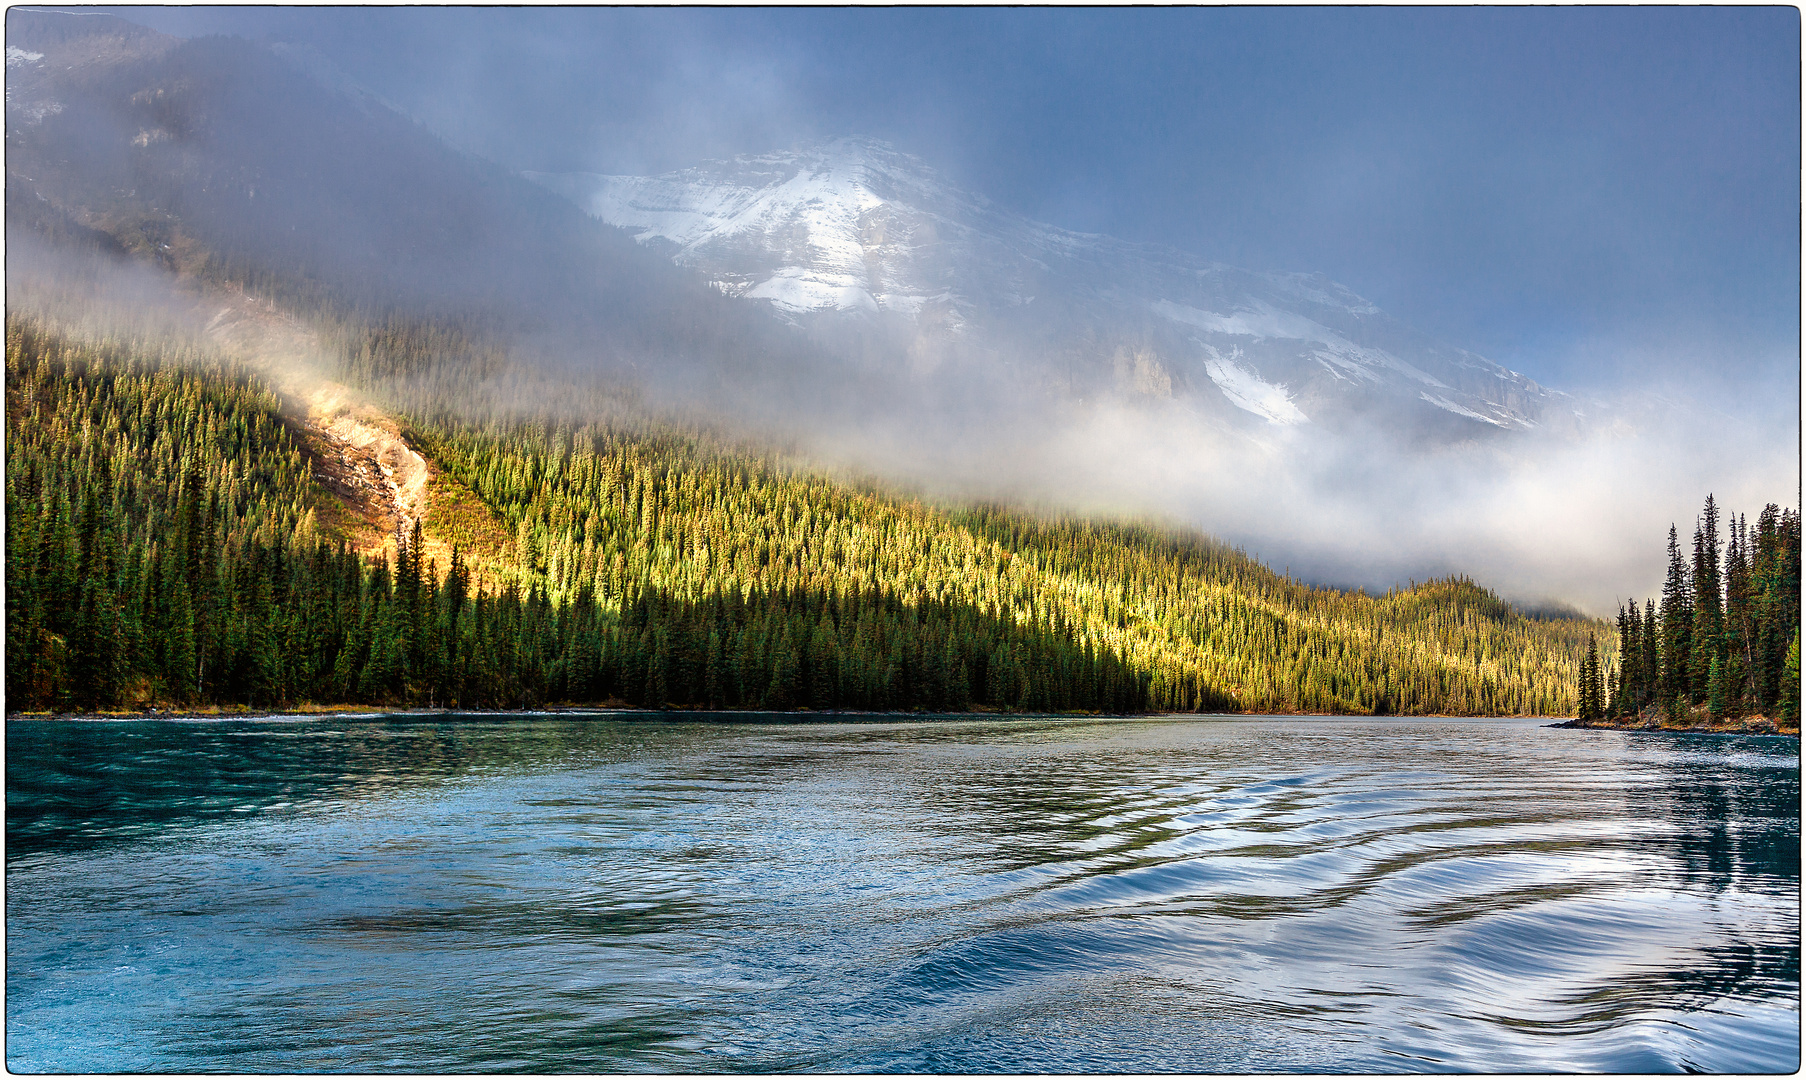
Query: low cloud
[[1577, 520]]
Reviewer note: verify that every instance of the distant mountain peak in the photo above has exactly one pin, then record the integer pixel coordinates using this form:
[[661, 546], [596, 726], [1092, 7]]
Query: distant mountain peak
[[828, 225], [850, 227]]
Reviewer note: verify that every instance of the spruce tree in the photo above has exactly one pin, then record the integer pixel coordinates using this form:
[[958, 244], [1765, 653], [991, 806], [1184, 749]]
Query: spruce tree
[[1707, 642], [1587, 695], [1677, 624], [1739, 621], [1628, 655]]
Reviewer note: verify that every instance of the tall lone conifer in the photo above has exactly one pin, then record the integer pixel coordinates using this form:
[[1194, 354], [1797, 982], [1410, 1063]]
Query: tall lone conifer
[[1708, 603], [1677, 624], [1589, 693]]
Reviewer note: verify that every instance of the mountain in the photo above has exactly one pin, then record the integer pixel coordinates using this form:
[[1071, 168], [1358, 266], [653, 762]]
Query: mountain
[[235, 162], [853, 231]]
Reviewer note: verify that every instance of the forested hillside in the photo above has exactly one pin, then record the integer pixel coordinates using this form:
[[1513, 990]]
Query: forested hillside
[[168, 543], [1725, 638]]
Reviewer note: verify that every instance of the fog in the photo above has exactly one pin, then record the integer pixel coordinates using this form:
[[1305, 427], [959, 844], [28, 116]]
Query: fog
[[1579, 521], [1689, 386], [1558, 189]]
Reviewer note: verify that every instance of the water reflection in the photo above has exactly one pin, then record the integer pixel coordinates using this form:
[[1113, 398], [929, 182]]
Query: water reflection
[[1735, 802], [71, 783], [580, 895]]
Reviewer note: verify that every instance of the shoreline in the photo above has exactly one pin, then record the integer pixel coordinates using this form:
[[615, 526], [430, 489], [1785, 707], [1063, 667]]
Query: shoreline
[[1751, 726], [380, 712], [575, 712]]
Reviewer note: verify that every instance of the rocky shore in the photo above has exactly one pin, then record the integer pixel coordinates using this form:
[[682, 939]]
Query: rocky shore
[[1699, 723]]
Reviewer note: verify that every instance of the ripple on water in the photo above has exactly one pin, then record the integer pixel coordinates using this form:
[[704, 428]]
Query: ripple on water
[[557, 895]]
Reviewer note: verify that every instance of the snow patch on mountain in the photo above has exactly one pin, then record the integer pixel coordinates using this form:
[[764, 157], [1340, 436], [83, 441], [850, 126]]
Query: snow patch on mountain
[[824, 228], [797, 290], [1248, 391], [852, 227], [1445, 403], [1262, 321], [31, 106]]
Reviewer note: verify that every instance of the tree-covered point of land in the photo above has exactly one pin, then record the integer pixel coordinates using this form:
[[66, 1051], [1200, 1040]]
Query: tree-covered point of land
[[1725, 636], [167, 543]]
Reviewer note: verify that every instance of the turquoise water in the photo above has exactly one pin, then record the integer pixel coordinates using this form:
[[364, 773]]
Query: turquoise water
[[580, 895]]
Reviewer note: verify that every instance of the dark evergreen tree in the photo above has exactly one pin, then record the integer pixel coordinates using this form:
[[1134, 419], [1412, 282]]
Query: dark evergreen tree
[[1589, 692], [1707, 640], [1739, 619], [1677, 624], [1630, 660], [1775, 585]]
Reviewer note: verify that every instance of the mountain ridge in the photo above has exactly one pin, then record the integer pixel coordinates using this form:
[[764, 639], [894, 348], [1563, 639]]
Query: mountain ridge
[[852, 227]]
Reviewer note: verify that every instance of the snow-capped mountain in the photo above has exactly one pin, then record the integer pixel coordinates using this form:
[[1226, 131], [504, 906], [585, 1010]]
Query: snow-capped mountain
[[853, 228]]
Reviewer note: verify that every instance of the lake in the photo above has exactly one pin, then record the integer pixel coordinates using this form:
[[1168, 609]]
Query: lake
[[558, 893]]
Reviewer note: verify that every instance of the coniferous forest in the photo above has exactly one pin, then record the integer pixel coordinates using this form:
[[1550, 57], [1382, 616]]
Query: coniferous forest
[[169, 543], [1724, 638]]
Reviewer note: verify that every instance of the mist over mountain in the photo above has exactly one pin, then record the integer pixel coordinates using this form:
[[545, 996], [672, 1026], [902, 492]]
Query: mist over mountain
[[220, 159], [844, 298], [852, 231], [1282, 410]]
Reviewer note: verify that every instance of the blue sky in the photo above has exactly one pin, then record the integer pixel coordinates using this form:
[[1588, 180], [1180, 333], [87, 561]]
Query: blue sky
[[1585, 194]]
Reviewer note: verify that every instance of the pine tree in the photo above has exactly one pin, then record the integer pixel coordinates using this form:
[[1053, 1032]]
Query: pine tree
[[1740, 623], [1677, 624], [1588, 692], [1775, 582], [1624, 690], [1707, 642]]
